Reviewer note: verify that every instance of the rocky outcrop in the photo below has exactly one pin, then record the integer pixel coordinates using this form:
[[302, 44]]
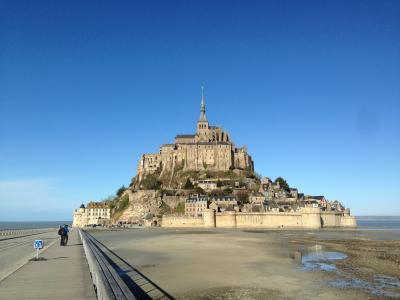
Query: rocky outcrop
[[174, 201], [141, 202]]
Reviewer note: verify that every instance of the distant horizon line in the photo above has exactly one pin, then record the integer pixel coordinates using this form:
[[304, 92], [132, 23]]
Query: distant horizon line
[[32, 221], [61, 221]]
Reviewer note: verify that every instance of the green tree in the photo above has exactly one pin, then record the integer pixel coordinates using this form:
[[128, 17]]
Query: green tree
[[228, 191], [188, 185], [164, 208], [199, 190], [123, 203], [180, 209], [121, 190], [282, 183]]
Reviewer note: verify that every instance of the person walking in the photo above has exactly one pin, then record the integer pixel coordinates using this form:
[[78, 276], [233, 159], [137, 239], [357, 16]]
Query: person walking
[[61, 234], [66, 230]]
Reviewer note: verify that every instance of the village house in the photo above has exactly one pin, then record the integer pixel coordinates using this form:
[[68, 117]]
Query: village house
[[207, 185], [336, 205], [294, 193], [96, 213], [321, 200], [222, 203], [195, 205], [310, 202]]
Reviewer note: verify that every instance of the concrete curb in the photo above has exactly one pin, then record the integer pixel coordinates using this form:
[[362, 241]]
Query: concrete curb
[[107, 283]]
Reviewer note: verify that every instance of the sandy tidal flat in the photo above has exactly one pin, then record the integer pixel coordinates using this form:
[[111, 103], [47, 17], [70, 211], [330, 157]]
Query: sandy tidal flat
[[227, 264]]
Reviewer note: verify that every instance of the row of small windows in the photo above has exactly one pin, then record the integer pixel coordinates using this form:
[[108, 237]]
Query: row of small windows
[[194, 204], [97, 214], [193, 209]]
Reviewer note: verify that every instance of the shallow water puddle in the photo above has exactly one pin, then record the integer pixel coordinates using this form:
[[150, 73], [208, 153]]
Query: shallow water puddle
[[315, 259], [320, 260]]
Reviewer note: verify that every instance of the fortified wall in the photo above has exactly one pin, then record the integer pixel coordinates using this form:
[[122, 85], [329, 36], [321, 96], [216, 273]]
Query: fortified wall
[[308, 217]]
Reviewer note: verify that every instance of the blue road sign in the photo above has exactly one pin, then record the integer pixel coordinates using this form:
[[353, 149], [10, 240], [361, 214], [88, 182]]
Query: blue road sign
[[38, 244]]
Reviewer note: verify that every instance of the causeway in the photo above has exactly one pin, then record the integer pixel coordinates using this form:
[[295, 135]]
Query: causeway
[[63, 274]]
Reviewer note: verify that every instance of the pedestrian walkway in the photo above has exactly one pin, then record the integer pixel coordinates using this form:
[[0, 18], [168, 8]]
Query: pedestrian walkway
[[63, 275]]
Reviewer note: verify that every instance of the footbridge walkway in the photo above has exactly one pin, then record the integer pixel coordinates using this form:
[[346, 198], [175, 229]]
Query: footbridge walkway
[[62, 273], [85, 269]]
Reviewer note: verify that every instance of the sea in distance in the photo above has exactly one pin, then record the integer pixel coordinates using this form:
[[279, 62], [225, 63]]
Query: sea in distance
[[379, 223], [363, 222], [32, 224]]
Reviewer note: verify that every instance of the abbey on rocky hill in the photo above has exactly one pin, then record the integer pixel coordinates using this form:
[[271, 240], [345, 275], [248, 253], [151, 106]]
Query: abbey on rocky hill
[[210, 148]]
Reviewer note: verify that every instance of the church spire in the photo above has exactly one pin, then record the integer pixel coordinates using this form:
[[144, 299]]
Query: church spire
[[203, 107]]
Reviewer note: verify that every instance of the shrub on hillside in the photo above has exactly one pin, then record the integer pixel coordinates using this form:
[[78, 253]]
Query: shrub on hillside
[[167, 192], [282, 183], [199, 190], [188, 185], [228, 191], [150, 182], [123, 203], [120, 191], [180, 209], [164, 208]]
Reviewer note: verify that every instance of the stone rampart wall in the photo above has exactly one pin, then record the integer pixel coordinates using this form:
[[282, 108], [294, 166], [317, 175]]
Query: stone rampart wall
[[337, 219], [307, 218], [331, 219], [268, 220], [348, 221], [226, 219], [181, 221]]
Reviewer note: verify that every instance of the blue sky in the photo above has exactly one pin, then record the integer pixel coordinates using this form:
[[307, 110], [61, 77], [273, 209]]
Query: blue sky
[[311, 87]]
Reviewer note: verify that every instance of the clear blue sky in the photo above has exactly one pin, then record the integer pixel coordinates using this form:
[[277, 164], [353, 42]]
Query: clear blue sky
[[311, 87]]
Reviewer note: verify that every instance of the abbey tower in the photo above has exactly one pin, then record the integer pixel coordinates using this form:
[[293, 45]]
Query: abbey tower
[[209, 148]]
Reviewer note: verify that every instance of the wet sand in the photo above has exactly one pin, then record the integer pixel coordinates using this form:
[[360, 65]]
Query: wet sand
[[372, 263], [250, 264]]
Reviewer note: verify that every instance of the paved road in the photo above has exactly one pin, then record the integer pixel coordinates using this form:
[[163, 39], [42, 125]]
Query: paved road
[[64, 274], [16, 251]]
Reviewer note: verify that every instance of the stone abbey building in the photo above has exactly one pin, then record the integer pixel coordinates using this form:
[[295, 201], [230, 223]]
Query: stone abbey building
[[209, 148]]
